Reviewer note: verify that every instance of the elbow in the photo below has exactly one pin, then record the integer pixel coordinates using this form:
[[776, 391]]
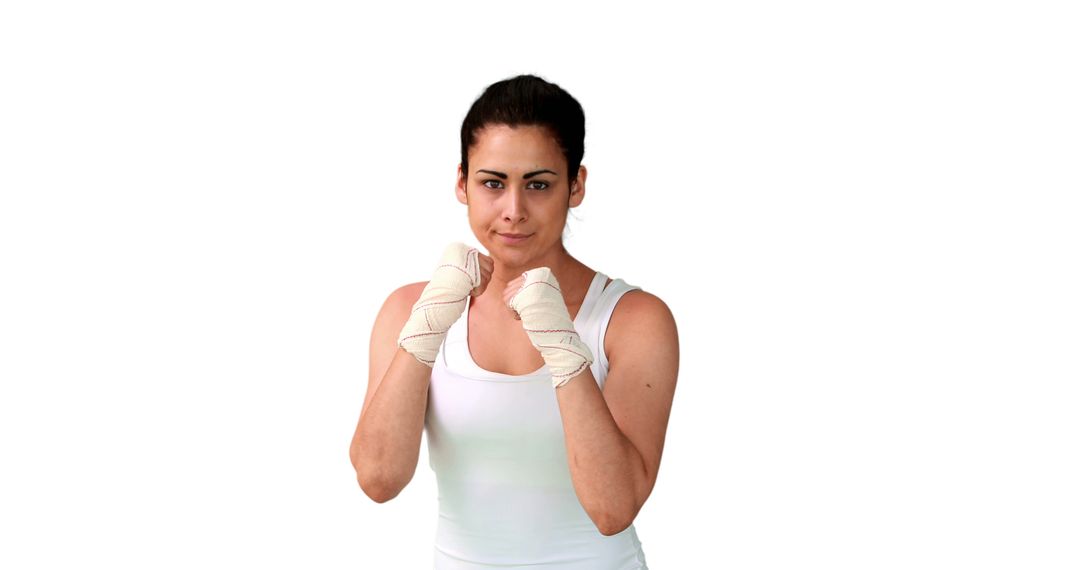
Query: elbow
[[376, 491], [617, 520], [377, 480], [372, 486], [377, 494], [609, 529], [377, 487], [610, 525]]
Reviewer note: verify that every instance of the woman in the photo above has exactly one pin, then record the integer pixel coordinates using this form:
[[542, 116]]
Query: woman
[[529, 473]]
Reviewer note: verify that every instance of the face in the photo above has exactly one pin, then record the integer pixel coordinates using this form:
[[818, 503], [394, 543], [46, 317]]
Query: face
[[517, 184]]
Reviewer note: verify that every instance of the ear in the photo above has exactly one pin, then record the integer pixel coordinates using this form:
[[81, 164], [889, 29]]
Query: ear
[[462, 195], [577, 187]]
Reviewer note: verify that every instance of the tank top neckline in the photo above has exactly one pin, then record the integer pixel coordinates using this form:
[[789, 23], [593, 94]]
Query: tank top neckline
[[591, 296]]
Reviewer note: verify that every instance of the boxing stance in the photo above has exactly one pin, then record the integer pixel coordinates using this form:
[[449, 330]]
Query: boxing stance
[[539, 468]]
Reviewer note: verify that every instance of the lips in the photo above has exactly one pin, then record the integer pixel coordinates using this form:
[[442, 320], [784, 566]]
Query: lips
[[512, 240]]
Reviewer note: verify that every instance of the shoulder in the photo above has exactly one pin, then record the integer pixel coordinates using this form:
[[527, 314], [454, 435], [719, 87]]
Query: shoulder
[[406, 294], [638, 304], [392, 316], [398, 305], [639, 321]]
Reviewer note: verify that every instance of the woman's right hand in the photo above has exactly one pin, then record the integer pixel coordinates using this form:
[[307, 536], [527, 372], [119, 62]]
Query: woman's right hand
[[487, 266], [462, 271]]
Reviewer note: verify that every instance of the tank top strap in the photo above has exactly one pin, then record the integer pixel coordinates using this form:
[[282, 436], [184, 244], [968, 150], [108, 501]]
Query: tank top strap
[[594, 327]]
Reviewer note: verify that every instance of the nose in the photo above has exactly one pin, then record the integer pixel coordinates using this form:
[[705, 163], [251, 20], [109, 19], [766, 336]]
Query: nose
[[514, 205]]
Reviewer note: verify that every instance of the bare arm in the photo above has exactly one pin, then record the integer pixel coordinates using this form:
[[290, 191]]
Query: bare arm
[[386, 445], [615, 437]]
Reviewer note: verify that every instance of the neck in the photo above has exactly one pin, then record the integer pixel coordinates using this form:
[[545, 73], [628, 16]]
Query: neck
[[562, 264]]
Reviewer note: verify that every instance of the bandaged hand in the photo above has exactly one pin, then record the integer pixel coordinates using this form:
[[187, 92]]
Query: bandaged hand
[[441, 303], [539, 303]]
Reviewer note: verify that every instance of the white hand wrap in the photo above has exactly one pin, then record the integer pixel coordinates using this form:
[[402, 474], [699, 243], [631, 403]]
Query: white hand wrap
[[543, 314], [441, 303]]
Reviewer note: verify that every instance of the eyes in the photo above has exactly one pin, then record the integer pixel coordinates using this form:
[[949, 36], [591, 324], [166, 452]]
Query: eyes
[[494, 184]]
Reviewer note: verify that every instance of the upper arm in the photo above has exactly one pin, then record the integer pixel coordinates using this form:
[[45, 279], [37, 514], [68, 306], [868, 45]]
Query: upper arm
[[642, 346], [392, 316]]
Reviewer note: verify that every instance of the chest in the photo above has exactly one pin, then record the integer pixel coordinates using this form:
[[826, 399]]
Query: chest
[[502, 345]]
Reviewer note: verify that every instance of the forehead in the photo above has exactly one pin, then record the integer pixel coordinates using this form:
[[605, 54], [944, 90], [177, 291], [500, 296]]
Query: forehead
[[524, 147]]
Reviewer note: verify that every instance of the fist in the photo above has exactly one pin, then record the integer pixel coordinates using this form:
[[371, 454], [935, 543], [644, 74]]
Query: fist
[[486, 267]]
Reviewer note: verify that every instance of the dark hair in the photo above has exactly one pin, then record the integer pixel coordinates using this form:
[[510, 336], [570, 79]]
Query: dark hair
[[528, 100]]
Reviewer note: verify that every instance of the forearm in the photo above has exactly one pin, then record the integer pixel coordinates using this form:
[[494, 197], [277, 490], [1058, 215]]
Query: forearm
[[606, 469], [387, 447]]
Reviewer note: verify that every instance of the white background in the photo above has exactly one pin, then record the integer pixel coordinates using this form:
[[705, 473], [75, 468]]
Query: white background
[[864, 219]]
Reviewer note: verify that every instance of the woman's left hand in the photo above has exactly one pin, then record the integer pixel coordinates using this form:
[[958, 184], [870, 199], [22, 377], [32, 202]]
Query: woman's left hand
[[537, 301]]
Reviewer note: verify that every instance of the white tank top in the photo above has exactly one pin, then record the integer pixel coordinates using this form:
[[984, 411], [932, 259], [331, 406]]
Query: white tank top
[[496, 444]]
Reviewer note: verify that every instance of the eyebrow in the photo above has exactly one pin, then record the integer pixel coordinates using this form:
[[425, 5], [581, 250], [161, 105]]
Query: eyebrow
[[526, 176]]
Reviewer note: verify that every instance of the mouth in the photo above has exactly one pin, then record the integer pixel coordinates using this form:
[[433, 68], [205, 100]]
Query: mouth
[[511, 239]]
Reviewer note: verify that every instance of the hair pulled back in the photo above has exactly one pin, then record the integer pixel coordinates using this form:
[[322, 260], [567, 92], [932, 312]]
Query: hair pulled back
[[528, 100]]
